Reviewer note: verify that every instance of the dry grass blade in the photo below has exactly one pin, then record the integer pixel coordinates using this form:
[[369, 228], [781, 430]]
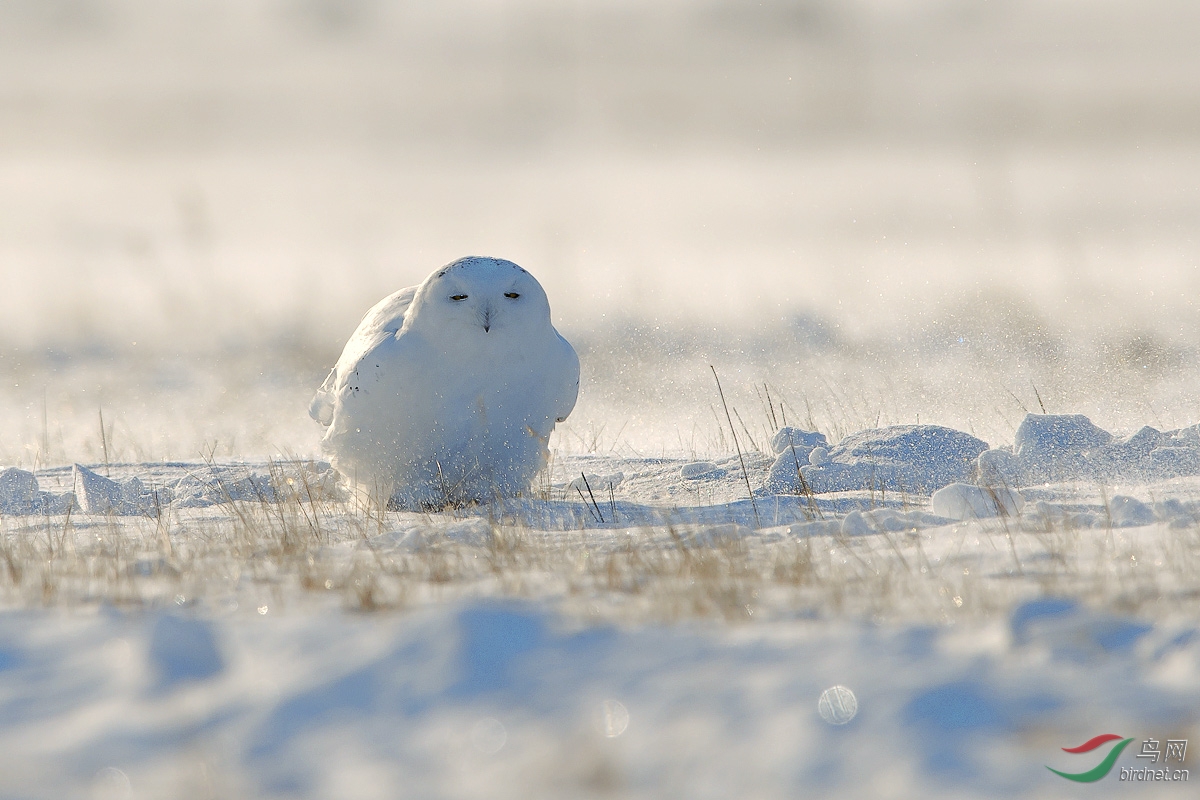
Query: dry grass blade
[[738, 447], [593, 497]]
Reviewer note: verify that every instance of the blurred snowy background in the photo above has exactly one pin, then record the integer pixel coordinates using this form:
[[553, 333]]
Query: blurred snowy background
[[889, 211], [883, 211]]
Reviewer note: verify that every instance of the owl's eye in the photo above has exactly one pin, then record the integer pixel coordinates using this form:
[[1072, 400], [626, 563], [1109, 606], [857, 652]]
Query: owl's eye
[[513, 295], [458, 297]]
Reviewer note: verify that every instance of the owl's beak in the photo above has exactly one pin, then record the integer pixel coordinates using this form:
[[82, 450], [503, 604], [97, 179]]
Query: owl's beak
[[487, 317]]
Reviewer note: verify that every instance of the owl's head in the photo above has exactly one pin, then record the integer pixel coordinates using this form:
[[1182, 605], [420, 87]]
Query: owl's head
[[476, 295]]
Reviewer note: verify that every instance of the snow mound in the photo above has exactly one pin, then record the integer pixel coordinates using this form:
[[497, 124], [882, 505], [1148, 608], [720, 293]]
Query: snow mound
[[1051, 448], [20, 495], [962, 501], [917, 459], [18, 491]]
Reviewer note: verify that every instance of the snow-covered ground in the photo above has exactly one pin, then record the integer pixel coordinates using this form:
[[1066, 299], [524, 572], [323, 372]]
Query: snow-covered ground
[[505, 699], [636, 626]]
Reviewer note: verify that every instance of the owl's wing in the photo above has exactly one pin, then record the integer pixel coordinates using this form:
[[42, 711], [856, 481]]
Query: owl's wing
[[568, 391], [382, 322]]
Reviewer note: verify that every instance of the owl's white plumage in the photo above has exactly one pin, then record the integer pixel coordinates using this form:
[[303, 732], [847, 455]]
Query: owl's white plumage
[[447, 392]]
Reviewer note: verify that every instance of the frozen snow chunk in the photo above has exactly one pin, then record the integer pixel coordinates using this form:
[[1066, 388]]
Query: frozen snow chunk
[[1173, 462], [1186, 437], [95, 493], [998, 468], [253, 488], [1070, 447], [165, 495], [1175, 513], [700, 469], [1149, 455], [793, 449], [1125, 459], [1049, 435], [18, 491], [183, 649], [1142, 442], [818, 456], [216, 485], [137, 498], [1128, 512], [963, 501], [132, 490], [902, 458], [193, 492], [802, 440], [48, 503], [1053, 446]]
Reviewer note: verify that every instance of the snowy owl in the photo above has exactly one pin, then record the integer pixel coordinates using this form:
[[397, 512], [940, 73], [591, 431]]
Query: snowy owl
[[447, 392]]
